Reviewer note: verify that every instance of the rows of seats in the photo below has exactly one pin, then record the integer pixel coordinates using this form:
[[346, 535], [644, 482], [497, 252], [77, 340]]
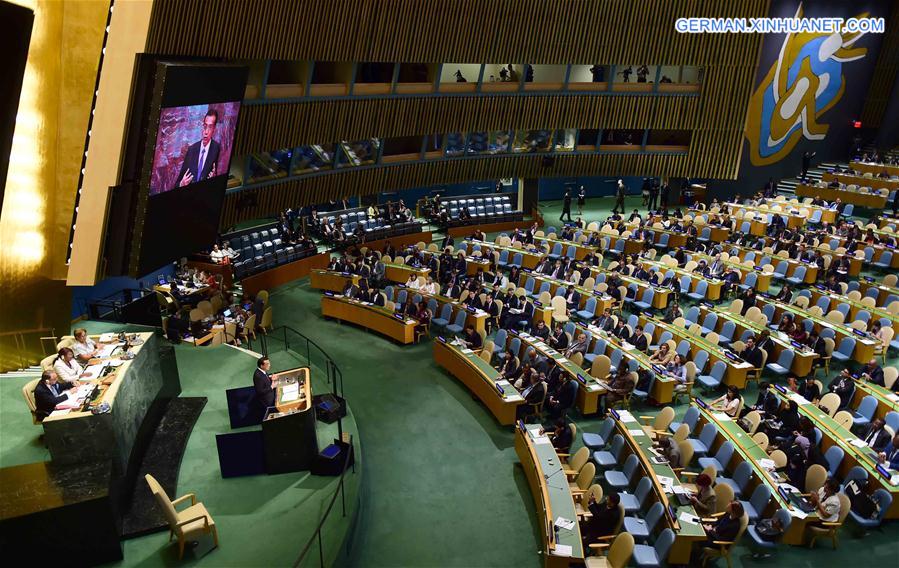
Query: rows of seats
[[482, 208], [375, 228], [264, 249]]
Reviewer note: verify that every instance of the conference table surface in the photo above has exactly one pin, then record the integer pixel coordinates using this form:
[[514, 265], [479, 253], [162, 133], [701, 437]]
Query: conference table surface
[[370, 316], [474, 317], [529, 258], [662, 390], [887, 400], [855, 306], [855, 450], [686, 532], [497, 394], [400, 272], [589, 387], [542, 466], [746, 449], [864, 346], [332, 280], [883, 291], [108, 385], [802, 360], [737, 369], [874, 168]]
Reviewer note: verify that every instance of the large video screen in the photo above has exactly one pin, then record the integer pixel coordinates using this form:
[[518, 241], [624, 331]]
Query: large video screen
[[190, 157], [193, 144]]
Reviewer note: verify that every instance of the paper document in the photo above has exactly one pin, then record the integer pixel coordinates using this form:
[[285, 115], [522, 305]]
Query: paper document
[[721, 416], [893, 397], [106, 350], [562, 550], [767, 464], [626, 416], [564, 523], [688, 518], [797, 512], [116, 362], [798, 398], [107, 337], [290, 392], [637, 432], [858, 443]]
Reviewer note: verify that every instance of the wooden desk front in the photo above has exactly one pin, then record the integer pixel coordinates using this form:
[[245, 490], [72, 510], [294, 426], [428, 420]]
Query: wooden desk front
[[370, 317], [331, 280], [481, 379]]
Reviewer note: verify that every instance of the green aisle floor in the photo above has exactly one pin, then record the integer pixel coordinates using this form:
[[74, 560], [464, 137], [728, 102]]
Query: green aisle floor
[[441, 485]]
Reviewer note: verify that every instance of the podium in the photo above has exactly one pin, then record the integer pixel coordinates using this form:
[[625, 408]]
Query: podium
[[288, 428]]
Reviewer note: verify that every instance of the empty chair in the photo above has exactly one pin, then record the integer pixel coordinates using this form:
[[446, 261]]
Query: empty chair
[[783, 364], [843, 353], [633, 502], [702, 445], [643, 528], [701, 290], [621, 480], [458, 323], [798, 276], [714, 378], [866, 408], [834, 458], [646, 556], [617, 555], [756, 505], [726, 335], [709, 323], [721, 458], [645, 302], [187, 524], [608, 458], [597, 440], [741, 478], [446, 312], [589, 311], [691, 416]]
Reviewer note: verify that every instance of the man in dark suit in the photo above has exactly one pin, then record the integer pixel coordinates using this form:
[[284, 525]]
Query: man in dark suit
[[876, 436], [752, 354], [201, 159], [603, 518], [844, 387], [262, 381], [605, 321], [873, 372], [558, 339], [560, 403], [350, 290], [48, 393], [639, 340], [572, 298]]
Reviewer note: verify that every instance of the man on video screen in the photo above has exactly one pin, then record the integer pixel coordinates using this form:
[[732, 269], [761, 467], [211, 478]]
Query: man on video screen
[[201, 159]]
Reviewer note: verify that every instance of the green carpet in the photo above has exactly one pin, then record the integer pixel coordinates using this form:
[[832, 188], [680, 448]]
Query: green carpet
[[441, 485]]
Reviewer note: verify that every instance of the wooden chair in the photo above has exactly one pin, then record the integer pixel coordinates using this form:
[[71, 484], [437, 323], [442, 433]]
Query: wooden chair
[[263, 295], [829, 530], [249, 328], [575, 463], [617, 555], [28, 393], [660, 422], [722, 548], [815, 477], [584, 478], [581, 507], [828, 355], [686, 457], [754, 419], [830, 403], [188, 524], [601, 367], [761, 440], [560, 309], [844, 419], [266, 324], [779, 458]]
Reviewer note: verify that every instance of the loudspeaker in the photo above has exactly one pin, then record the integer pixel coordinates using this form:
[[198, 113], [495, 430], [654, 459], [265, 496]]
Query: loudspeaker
[[328, 407], [330, 460], [549, 161]]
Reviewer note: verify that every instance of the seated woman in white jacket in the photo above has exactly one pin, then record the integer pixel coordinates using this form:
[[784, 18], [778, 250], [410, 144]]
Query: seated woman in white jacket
[[67, 367]]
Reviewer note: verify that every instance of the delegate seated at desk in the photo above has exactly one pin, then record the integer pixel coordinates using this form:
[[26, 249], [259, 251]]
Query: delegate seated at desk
[[889, 457], [262, 381], [67, 368], [85, 349], [49, 393]]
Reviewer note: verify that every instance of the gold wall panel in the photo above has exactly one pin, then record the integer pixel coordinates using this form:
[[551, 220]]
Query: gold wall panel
[[460, 31], [346, 182], [44, 166]]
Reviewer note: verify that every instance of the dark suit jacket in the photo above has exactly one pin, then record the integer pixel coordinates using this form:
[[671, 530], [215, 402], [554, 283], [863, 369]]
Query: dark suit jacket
[[602, 522], [192, 161], [45, 400], [752, 356], [605, 323], [881, 439], [567, 394], [264, 390], [640, 342]]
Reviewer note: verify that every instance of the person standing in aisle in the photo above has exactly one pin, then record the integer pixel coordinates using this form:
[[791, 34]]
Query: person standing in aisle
[[566, 206], [620, 192], [582, 200], [664, 194], [653, 194]]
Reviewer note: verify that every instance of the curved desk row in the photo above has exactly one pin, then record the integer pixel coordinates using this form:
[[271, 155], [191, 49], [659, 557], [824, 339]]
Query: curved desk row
[[855, 451], [498, 395], [369, 316], [552, 496], [332, 280]]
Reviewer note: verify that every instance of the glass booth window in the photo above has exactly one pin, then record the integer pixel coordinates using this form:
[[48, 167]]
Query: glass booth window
[[532, 141], [455, 144], [269, 165], [359, 152], [313, 158], [564, 140], [459, 77]]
